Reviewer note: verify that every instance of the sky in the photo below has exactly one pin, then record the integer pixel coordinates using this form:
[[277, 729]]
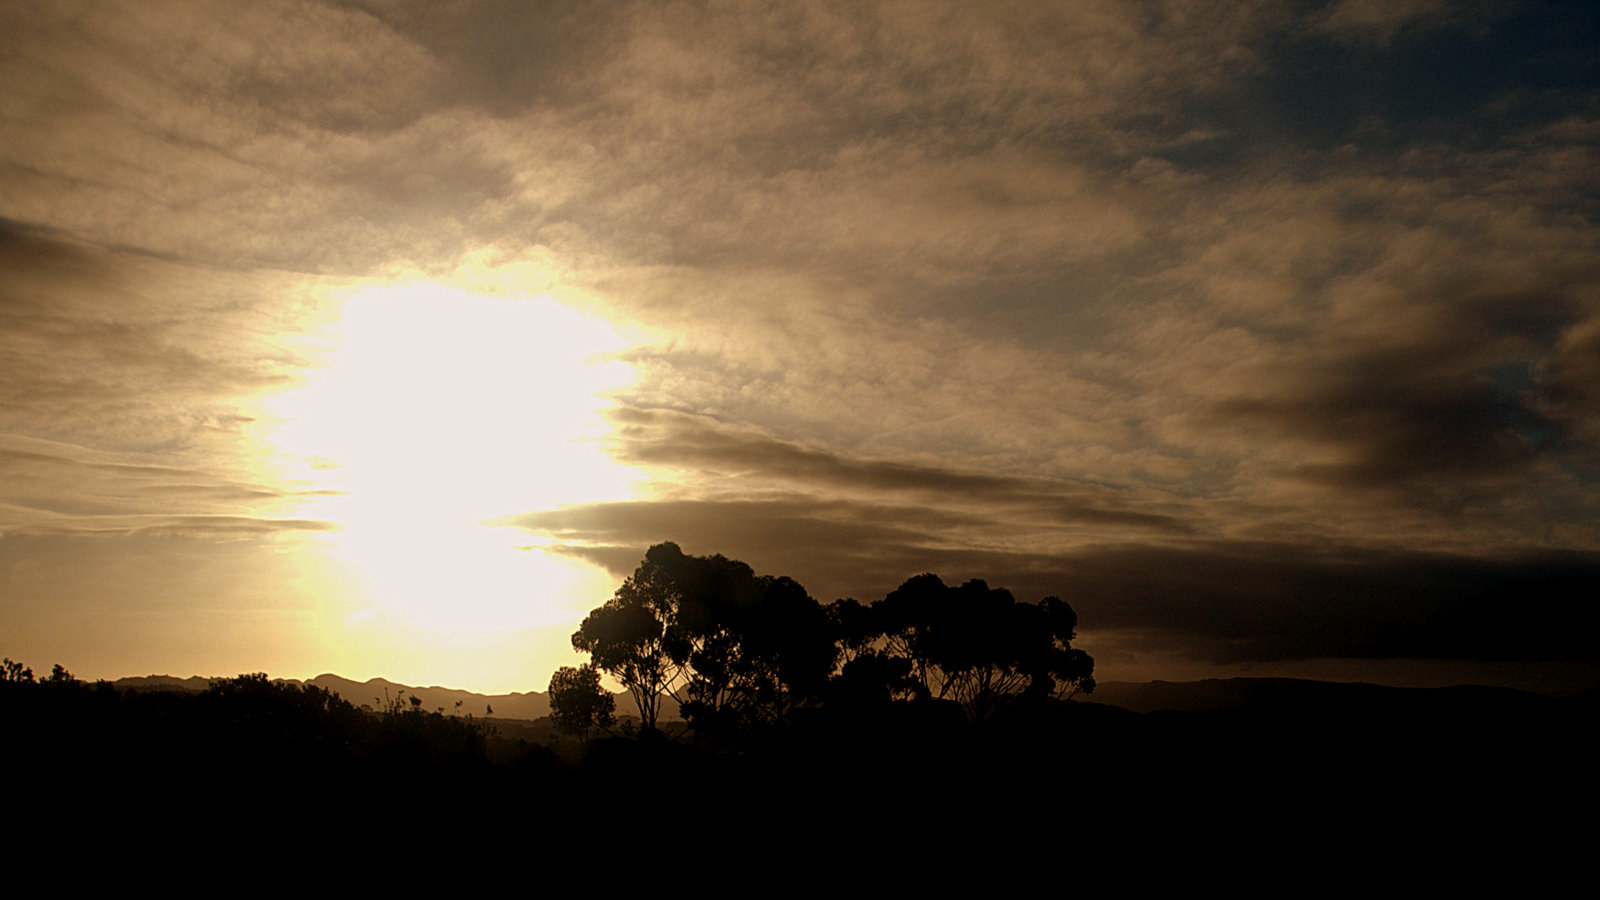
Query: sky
[[382, 337]]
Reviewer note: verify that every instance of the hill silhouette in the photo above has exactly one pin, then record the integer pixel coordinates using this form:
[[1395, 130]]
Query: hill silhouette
[[376, 692]]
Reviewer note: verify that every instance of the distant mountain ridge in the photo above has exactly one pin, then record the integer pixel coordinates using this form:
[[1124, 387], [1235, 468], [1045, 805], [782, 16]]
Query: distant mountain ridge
[[377, 692], [1209, 695]]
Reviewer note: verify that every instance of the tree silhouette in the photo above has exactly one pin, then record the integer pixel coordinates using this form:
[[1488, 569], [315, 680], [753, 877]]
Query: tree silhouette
[[742, 652], [972, 645], [15, 673], [625, 638], [734, 648], [753, 647], [577, 701]]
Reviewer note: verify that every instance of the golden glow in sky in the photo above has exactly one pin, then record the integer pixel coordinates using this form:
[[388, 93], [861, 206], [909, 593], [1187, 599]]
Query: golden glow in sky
[[438, 411]]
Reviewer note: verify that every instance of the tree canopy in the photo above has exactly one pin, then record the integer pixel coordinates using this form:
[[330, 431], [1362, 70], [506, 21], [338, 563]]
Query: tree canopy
[[741, 651], [577, 701], [979, 646], [733, 648]]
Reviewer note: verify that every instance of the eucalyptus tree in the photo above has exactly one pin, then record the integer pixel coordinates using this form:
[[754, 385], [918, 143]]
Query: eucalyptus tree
[[733, 648], [739, 650], [978, 646], [627, 637]]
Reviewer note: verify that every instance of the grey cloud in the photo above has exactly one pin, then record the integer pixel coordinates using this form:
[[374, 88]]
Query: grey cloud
[[1223, 601], [665, 438], [1100, 298], [180, 134], [779, 533], [924, 144], [211, 527], [1570, 380], [949, 141], [1443, 392], [55, 488], [116, 351], [127, 396], [1273, 601], [509, 55], [232, 526], [307, 62], [1396, 422], [1379, 21], [29, 252]]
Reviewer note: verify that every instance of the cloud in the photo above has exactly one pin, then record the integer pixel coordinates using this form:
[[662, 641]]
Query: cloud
[[657, 438], [226, 528], [120, 350], [1425, 416], [1272, 602], [1223, 601], [1570, 380], [1149, 585], [1380, 21], [55, 488], [1162, 295], [130, 394], [180, 134], [508, 55]]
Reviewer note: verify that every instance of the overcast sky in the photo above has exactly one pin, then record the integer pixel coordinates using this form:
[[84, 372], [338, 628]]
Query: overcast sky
[[1267, 334]]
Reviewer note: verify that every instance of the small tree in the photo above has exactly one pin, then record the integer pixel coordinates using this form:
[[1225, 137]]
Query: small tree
[[15, 673], [578, 702]]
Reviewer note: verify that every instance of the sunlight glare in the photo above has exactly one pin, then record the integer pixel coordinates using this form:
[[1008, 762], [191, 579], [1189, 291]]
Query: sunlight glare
[[438, 411]]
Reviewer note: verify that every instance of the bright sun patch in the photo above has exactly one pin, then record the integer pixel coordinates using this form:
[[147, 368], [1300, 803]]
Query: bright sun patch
[[439, 411]]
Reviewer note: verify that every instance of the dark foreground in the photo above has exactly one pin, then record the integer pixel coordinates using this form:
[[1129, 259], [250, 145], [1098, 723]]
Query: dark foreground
[[1296, 770]]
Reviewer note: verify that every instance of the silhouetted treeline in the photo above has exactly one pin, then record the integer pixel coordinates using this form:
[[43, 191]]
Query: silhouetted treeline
[[245, 723], [1326, 759], [750, 658]]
